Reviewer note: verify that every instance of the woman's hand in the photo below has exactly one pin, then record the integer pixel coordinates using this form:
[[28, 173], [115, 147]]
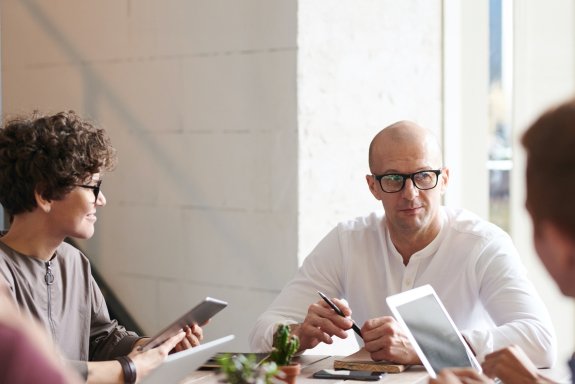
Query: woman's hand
[[193, 338], [149, 360]]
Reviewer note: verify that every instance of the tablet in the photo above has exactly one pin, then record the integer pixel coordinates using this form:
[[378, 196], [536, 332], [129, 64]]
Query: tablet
[[181, 364], [431, 330], [201, 313]]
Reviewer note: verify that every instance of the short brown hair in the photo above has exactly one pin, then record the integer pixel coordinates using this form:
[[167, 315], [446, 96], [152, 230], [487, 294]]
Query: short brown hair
[[49, 154], [550, 145]]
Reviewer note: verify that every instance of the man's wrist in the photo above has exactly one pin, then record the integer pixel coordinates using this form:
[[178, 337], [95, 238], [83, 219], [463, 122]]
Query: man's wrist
[[294, 329]]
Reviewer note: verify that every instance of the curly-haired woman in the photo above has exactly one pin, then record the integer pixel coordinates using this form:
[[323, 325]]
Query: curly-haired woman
[[51, 170]]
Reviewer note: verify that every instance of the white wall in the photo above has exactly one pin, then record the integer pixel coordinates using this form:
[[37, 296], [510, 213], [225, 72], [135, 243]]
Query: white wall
[[361, 66], [200, 100], [465, 107]]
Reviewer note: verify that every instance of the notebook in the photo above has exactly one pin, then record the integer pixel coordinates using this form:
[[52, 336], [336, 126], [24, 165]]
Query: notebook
[[431, 330], [361, 361], [181, 364]]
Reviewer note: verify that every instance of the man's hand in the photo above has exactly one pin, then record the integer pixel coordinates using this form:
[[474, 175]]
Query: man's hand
[[512, 365], [321, 324], [460, 376], [385, 340]]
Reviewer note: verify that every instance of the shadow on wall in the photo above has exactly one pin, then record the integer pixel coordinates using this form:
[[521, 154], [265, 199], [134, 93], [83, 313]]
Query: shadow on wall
[[96, 90]]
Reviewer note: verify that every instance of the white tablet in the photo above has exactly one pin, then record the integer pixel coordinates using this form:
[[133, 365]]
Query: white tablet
[[201, 313], [431, 330], [181, 364]]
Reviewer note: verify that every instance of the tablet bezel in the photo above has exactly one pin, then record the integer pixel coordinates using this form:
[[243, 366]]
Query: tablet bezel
[[199, 314], [413, 295]]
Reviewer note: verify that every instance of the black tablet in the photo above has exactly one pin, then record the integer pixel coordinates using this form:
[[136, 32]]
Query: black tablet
[[201, 313]]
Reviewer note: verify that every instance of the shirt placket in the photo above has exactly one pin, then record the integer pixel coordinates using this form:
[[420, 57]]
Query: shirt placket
[[409, 275]]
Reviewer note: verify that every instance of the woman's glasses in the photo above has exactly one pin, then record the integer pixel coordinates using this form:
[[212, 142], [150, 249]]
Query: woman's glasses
[[94, 188]]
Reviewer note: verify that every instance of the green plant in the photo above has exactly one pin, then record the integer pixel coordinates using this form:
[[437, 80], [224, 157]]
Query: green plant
[[285, 345], [244, 369]]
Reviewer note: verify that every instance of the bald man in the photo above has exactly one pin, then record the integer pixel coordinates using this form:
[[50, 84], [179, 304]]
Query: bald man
[[472, 264]]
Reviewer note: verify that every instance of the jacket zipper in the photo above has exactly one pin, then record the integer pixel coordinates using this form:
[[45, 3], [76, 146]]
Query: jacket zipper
[[49, 279]]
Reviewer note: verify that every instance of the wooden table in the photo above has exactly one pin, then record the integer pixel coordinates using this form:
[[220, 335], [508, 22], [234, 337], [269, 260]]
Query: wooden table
[[313, 363]]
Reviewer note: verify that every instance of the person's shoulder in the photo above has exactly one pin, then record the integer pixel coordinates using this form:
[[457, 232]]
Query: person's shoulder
[[465, 221]]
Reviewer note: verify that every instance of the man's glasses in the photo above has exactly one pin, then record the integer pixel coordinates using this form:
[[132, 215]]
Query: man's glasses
[[394, 182], [94, 188]]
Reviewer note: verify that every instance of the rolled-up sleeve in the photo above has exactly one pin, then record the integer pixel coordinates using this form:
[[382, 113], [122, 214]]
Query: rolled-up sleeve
[[108, 339]]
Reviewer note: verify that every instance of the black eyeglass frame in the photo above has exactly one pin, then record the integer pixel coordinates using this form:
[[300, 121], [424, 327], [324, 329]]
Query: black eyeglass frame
[[411, 176], [94, 188]]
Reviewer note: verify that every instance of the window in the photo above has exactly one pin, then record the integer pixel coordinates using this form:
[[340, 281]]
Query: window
[[500, 163]]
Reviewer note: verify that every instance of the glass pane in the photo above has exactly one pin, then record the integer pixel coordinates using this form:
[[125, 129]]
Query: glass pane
[[499, 197]]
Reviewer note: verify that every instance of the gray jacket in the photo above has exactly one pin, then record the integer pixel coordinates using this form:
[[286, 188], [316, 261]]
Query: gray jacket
[[63, 295]]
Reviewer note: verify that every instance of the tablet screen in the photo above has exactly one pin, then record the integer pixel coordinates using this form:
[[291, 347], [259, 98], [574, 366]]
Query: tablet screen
[[431, 330], [438, 340]]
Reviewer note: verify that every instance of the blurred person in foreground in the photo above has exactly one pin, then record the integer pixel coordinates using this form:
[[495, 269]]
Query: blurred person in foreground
[[51, 171], [549, 144], [472, 264], [24, 344]]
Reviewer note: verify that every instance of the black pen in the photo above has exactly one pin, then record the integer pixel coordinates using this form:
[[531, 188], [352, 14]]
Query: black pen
[[339, 312]]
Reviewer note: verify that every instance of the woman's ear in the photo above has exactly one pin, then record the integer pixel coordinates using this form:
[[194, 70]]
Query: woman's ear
[[44, 204]]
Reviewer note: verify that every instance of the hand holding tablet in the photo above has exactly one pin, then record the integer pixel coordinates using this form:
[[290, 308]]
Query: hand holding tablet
[[200, 314], [431, 331]]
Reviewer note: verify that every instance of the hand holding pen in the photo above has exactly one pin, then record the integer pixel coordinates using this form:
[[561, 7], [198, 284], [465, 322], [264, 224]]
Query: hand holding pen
[[339, 312]]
